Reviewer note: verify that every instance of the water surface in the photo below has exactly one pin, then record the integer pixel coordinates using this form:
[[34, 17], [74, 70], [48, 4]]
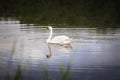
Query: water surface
[[93, 54]]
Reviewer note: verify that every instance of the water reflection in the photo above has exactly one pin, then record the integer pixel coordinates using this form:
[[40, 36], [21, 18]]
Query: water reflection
[[92, 51], [50, 54], [65, 48]]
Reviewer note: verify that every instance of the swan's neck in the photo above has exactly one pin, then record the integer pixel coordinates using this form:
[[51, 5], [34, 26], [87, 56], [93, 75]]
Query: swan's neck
[[50, 36]]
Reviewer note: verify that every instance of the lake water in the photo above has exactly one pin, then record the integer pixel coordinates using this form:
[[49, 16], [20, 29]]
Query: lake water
[[94, 54]]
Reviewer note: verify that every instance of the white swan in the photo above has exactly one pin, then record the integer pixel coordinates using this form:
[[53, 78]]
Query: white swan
[[62, 39]]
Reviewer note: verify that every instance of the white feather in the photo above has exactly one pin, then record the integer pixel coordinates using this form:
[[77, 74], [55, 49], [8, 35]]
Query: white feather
[[62, 39]]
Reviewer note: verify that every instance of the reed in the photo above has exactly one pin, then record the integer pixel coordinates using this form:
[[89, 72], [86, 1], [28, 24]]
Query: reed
[[64, 74]]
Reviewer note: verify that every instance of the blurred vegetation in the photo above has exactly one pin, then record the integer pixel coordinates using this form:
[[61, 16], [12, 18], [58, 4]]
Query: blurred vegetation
[[64, 74], [63, 12], [18, 74]]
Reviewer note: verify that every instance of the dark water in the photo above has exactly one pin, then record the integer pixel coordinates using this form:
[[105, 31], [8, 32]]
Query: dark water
[[93, 54]]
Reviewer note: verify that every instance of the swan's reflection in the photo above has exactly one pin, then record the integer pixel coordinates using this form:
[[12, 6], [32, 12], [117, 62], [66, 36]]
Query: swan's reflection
[[58, 47], [50, 52]]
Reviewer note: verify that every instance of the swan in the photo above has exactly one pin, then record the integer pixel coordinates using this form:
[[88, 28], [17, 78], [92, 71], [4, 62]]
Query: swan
[[62, 39]]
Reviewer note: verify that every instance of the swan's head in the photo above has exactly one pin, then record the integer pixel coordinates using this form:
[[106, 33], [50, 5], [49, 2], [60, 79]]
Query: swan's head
[[49, 27]]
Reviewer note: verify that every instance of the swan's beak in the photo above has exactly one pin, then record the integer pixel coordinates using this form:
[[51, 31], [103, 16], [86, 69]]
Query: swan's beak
[[47, 29]]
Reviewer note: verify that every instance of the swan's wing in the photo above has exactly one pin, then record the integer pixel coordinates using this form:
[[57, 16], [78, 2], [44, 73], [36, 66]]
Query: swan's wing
[[61, 39]]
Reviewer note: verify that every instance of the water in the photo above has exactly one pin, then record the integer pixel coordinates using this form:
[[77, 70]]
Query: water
[[93, 54]]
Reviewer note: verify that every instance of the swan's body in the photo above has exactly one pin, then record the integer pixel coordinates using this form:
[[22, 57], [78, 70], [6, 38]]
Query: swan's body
[[62, 39]]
